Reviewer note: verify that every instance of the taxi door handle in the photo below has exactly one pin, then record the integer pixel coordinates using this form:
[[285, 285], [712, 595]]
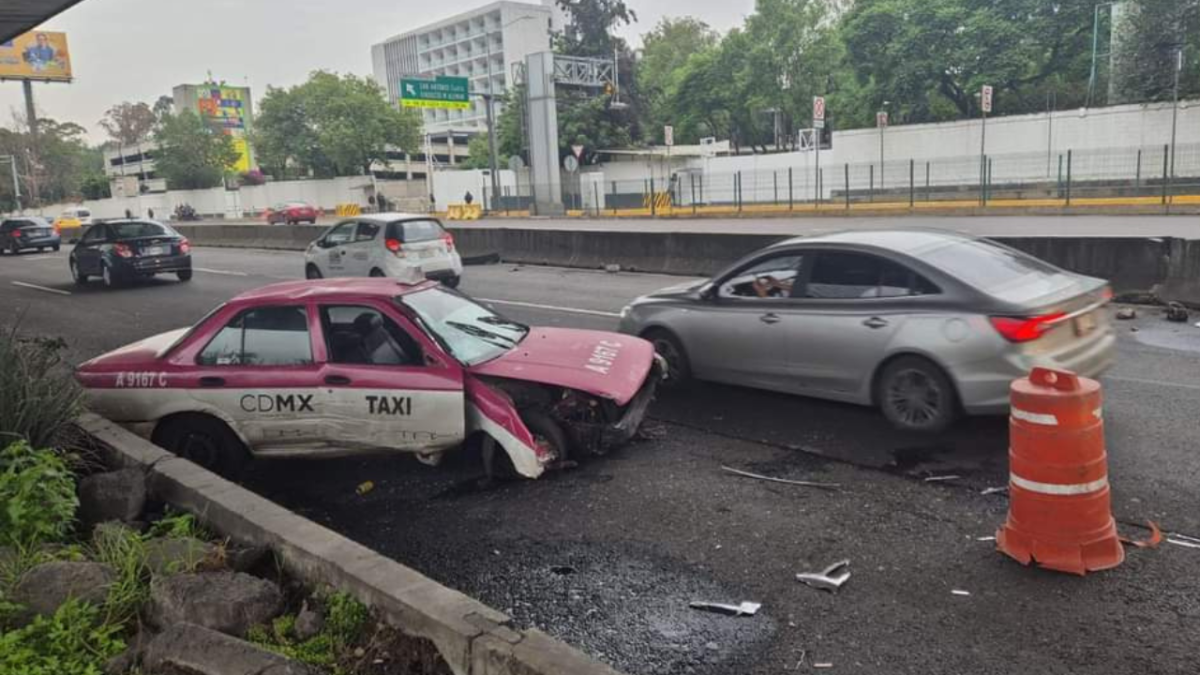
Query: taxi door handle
[[337, 379], [212, 382], [770, 317]]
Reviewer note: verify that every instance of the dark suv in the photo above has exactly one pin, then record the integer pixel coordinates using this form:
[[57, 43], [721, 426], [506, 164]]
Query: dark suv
[[121, 250], [18, 234]]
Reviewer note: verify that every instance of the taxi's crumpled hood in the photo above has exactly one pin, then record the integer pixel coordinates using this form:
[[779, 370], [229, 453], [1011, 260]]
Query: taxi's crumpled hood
[[141, 353], [603, 364]]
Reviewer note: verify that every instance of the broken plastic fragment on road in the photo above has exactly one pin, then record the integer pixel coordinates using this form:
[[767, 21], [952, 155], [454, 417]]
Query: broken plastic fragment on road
[[803, 483], [745, 608], [1153, 541], [825, 579]]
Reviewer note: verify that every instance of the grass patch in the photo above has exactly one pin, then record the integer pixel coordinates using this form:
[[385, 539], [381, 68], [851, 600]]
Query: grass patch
[[345, 620]]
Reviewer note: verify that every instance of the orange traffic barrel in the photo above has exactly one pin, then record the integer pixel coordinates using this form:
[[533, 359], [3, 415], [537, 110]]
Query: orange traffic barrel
[[1060, 512]]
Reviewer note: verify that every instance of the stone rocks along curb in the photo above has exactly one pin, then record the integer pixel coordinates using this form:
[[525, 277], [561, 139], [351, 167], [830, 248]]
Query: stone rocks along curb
[[229, 602], [196, 650], [116, 495], [473, 638], [47, 586]]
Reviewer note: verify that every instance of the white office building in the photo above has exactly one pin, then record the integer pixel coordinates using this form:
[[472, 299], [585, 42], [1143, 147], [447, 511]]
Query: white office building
[[481, 45]]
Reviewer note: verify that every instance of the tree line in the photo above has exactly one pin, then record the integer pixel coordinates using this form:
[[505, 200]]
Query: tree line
[[918, 60]]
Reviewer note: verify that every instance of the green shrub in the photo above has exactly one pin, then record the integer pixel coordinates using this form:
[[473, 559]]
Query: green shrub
[[37, 496], [39, 398], [73, 641], [124, 550]]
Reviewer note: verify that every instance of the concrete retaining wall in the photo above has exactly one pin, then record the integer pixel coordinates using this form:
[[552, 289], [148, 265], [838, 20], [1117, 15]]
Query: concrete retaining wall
[[1130, 263], [473, 638]]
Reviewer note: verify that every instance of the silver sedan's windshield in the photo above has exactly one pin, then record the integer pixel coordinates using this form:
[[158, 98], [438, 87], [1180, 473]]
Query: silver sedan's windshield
[[472, 333]]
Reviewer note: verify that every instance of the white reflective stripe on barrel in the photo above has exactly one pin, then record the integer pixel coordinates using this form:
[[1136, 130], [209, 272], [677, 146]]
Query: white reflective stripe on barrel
[[1058, 489], [1035, 418]]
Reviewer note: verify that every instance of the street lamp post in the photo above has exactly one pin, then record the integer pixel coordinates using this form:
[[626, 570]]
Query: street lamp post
[[881, 121], [1175, 105]]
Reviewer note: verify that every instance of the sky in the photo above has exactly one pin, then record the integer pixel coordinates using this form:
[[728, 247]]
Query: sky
[[137, 50]]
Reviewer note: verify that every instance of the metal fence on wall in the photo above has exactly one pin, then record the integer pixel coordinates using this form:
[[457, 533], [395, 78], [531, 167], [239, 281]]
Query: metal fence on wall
[[1133, 175]]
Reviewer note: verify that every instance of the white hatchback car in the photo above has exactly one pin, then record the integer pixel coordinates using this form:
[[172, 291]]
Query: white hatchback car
[[405, 246]]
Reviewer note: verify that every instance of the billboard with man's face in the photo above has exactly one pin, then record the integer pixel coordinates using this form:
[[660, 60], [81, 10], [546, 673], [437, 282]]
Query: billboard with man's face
[[38, 55]]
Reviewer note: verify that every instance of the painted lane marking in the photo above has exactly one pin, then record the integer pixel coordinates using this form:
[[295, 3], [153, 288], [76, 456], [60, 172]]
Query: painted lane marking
[[552, 308], [39, 288], [225, 272], [1035, 418], [1058, 489]]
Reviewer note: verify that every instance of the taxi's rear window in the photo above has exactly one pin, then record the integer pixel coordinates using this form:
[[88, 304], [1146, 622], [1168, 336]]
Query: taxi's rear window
[[413, 231]]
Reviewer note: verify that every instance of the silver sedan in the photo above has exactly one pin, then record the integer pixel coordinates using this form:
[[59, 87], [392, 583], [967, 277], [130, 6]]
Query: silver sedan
[[924, 324]]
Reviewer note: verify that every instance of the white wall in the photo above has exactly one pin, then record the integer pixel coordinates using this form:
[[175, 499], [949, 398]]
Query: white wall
[[249, 201], [449, 187]]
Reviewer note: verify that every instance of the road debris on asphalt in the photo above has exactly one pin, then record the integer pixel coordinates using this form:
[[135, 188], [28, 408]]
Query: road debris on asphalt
[[1176, 312], [936, 479], [994, 490], [364, 487], [960, 592], [825, 579], [1153, 541], [802, 483], [745, 608], [1126, 314]]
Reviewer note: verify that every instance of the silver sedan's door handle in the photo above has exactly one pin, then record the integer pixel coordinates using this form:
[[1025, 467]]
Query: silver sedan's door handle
[[770, 317], [875, 322]]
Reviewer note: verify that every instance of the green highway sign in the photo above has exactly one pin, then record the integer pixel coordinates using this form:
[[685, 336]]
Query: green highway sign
[[443, 92]]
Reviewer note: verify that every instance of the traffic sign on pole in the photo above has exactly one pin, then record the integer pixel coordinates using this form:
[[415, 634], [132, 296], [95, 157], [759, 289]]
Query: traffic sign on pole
[[881, 119], [985, 98], [668, 135], [443, 92]]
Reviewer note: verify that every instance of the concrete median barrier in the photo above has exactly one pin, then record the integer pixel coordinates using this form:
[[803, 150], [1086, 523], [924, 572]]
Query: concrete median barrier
[[471, 637], [1132, 264]]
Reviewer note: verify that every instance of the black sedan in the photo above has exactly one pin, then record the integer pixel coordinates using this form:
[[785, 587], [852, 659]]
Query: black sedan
[[28, 232], [118, 251]]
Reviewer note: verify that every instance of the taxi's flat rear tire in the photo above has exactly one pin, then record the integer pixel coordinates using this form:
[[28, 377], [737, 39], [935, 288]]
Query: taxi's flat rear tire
[[205, 441], [312, 272]]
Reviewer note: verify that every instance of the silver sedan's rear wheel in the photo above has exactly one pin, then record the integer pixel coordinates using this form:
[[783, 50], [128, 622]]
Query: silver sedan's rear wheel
[[916, 395]]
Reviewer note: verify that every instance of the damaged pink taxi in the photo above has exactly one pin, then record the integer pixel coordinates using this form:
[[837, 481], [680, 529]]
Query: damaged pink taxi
[[326, 367]]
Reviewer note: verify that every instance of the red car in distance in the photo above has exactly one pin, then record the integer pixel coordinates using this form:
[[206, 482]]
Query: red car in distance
[[337, 366], [292, 213]]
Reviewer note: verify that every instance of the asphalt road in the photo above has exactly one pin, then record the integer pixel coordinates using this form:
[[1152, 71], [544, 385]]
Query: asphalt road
[[608, 555]]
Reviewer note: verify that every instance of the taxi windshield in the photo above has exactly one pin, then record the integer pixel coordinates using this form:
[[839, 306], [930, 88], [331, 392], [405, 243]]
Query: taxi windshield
[[471, 332]]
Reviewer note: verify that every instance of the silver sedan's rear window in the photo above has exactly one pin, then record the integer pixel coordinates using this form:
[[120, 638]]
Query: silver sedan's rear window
[[1009, 275]]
